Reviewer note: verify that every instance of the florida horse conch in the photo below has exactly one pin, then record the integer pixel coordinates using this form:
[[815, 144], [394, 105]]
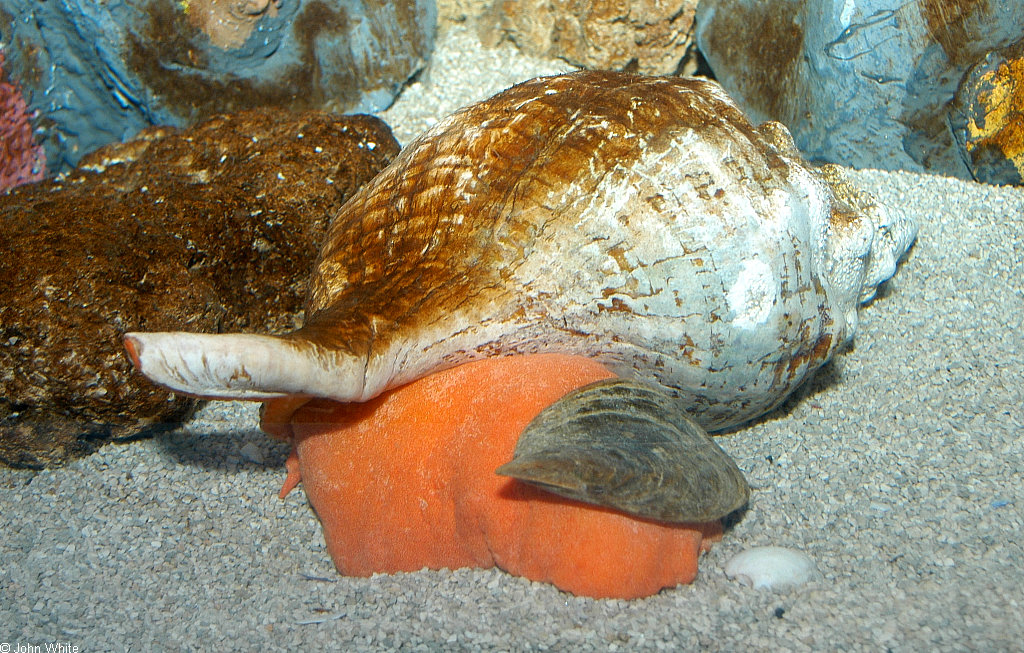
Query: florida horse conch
[[519, 333]]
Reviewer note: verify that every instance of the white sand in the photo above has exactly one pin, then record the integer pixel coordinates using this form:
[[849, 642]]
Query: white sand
[[898, 470]]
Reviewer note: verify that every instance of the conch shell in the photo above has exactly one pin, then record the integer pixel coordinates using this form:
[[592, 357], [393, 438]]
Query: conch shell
[[582, 226], [641, 222]]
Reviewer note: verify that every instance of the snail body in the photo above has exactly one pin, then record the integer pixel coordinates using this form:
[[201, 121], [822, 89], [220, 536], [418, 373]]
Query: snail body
[[640, 223]]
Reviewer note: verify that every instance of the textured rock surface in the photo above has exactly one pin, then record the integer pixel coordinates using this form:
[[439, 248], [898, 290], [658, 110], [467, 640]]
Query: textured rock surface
[[212, 228], [21, 160], [99, 72], [459, 11], [858, 82], [648, 36], [987, 117]]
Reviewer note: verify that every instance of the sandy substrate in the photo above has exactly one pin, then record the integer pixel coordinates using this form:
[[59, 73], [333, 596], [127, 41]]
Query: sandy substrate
[[898, 470]]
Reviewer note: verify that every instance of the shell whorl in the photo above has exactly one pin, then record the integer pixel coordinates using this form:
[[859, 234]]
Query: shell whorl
[[640, 221]]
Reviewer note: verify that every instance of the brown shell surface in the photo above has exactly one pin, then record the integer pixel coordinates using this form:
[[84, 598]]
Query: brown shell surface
[[429, 258], [436, 231]]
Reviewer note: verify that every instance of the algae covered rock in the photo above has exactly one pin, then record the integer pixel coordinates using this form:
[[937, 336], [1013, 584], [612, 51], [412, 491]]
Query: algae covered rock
[[98, 72], [215, 227]]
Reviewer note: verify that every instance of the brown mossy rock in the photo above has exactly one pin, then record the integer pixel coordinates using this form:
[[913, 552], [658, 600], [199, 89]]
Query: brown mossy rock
[[646, 36], [207, 229]]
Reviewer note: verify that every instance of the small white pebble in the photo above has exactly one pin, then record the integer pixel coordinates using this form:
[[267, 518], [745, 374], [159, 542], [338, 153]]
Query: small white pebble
[[771, 567]]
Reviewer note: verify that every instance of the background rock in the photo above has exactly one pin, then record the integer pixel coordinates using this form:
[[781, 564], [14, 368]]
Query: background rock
[[865, 83], [209, 229], [648, 36], [98, 72], [21, 160], [460, 11], [987, 117]]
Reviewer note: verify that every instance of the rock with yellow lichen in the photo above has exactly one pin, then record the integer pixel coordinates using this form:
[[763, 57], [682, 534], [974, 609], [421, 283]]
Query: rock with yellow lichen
[[99, 72], [987, 117]]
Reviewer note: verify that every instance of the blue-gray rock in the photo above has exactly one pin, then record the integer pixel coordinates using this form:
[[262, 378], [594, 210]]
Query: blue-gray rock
[[99, 72], [866, 83]]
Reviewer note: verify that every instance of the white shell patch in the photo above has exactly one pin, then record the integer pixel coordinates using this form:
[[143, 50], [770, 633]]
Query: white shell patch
[[771, 567], [753, 295]]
